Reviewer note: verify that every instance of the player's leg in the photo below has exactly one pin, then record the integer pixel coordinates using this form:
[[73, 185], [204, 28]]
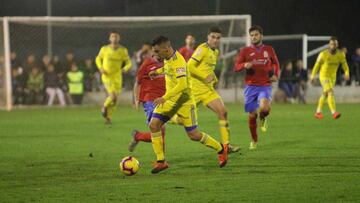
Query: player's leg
[[331, 99], [325, 86], [251, 106], [138, 136], [51, 95], [252, 127], [209, 141], [190, 124], [264, 99], [161, 115], [61, 96], [216, 104]]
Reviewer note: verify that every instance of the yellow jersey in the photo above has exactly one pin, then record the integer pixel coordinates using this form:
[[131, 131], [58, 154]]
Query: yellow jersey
[[177, 80], [328, 64], [113, 61], [201, 64]]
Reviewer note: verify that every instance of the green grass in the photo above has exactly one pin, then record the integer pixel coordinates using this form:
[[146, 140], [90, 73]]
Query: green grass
[[44, 157]]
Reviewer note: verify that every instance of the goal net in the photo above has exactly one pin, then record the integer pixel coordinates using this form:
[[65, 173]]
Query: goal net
[[29, 39]]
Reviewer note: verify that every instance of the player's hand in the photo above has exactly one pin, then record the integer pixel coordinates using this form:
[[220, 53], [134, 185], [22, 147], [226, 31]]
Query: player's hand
[[159, 101], [103, 72], [312, 81], [248, 65], [152, 74], [273, 78], [210, 78], [136, 104], [346, 77]]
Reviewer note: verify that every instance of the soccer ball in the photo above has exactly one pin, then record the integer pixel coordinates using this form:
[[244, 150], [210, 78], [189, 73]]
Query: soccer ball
[[129, 165]]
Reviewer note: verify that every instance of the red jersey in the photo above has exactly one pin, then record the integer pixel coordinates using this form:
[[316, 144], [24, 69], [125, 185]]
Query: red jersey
[[150, 89], [265, 64], [186, 53]]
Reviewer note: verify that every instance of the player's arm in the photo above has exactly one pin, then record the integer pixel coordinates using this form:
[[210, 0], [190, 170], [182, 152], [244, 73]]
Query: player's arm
[[182, 84], [194, 62], [275, 73], [127, 60], [241, 63], [99, 60], [318, 64], [345, 67]]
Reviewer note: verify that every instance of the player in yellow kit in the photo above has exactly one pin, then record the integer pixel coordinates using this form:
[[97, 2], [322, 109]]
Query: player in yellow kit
[[112, 60], [177, 100], [202, 65], [328, 63]]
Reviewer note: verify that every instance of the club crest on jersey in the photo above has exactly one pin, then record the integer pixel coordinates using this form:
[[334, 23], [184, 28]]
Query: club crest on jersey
[[266, 54], [181, 70]]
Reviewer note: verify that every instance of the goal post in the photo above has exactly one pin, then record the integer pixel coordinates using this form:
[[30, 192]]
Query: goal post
[[55, 36]]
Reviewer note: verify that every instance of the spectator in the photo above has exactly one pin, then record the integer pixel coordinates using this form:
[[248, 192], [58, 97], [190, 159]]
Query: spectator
[[53, 86], [189, 48], [356, 66], [75, 80], [301, 78], [29, 63], [35, 86], [89, 75], [19, 84], [286, 82], [46, 60], [15, 63]]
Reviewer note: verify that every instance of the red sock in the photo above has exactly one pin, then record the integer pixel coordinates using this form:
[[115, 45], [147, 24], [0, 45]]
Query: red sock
[[143, 136], [252, 127], [263, 114]]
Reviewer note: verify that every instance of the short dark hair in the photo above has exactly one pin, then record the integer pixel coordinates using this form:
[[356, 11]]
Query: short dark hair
[[214, 29], [256, 27], [159, 40], [114, 32], [189, 34], [333, 38]]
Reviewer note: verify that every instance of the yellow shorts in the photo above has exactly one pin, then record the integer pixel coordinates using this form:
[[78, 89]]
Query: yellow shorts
[[186, 112], [207, 97], [327, 83], [111, 85]]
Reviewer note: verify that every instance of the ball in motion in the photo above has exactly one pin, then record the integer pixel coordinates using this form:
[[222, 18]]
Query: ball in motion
[[129, 165]]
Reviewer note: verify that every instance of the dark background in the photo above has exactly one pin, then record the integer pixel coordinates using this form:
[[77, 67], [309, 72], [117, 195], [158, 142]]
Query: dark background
[[331, 17]]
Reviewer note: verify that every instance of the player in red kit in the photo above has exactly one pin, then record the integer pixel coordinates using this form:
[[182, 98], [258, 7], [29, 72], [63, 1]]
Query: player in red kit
[[262, 68], [188, 50], [147, 89]]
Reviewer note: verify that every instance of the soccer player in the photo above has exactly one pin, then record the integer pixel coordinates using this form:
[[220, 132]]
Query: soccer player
[[188, 50], [328, 63], [112, 61], [147, 89], [202, 65], [261, 68], [178, 99]]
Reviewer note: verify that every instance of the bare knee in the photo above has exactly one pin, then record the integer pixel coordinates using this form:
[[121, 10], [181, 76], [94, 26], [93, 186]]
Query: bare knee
[[154, 126], [194, 135], [253, 115]]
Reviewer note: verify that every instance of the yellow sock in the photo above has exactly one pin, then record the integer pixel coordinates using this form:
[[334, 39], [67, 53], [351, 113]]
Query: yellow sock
[[111, 110], [210, 142], [107, 102], [224, 131], [331, 102], [157, 143], [320, 103]]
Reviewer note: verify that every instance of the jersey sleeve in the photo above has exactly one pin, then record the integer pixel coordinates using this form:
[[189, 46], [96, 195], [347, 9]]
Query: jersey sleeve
[[240, 61], [194, 62], [127, 61], [181, 82], [344, 65], [318, 63], [275, 62], [99, 58]]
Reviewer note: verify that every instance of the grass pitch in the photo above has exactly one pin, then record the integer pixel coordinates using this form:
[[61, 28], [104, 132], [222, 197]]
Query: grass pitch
[[44, 157]]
